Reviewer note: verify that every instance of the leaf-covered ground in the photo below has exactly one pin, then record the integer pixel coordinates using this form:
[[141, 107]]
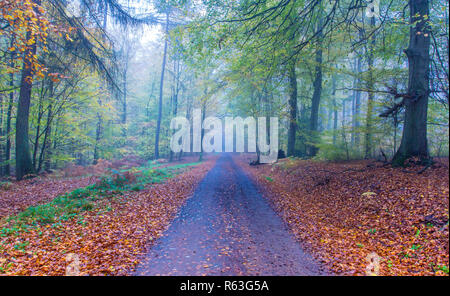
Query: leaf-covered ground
[[18, 196], [343, 212], [108, 239]]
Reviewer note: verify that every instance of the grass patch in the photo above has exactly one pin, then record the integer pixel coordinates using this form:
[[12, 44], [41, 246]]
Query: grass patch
[[71, 204], [61, 208]]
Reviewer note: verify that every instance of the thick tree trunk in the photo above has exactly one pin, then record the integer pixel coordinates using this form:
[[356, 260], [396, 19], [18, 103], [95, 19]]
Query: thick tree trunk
[[414, 137], [161, 86], [24, 165], [292, 109]]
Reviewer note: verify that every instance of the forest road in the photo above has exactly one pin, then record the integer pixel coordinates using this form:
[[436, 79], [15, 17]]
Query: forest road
[[227, 228]]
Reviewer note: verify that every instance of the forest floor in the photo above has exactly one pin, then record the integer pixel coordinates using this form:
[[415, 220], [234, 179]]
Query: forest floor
[[342, 212], [225, 217], [102, 231], [227, 228], [20, 195]]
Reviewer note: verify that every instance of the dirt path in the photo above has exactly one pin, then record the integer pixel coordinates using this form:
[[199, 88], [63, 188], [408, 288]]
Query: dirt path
[[227, 228]]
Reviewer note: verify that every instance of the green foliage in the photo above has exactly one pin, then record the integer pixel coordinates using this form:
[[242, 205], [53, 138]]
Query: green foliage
[[334, 152], [444, 268], [50, 212], [71, 204]]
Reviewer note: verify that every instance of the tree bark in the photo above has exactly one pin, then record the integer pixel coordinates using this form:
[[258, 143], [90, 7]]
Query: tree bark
[[45, 154], [98, 135], [292, 109], [8, 124], [335, 111], [124, 102], [161, 86], [38, 130], [24, 165], [368, 135], [313, 124], [176, 68], [414, 137]]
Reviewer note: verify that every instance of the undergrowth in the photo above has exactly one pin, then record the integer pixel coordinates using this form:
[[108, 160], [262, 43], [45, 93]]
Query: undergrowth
[[71, 204]]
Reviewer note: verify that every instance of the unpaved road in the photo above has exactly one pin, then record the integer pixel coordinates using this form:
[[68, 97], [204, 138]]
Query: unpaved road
[[227, 228]]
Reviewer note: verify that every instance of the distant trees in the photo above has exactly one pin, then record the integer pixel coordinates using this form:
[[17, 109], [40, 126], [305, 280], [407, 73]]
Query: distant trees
[[320, 33], [29, 29], [73, 92]]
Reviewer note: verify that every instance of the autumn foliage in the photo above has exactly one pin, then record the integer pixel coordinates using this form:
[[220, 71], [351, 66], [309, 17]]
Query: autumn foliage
[[342, 212], [108, 239], [28, 25]]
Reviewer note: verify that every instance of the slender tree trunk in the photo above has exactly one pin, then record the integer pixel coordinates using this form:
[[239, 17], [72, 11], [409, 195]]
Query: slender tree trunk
[[8, 127], [313, 124], [357, 107], [414, 138], [38, 130], [98, 135], [161, 86], [175, 95], [292, 109], [45, 154], [9, 114], [2, 136], [200, 158], [124, 102], [368, 135], [24, 165], [395, 131], [335, 111]]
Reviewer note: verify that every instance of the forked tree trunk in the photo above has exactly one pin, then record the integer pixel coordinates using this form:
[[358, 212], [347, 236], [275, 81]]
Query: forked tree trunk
[[414, 137]]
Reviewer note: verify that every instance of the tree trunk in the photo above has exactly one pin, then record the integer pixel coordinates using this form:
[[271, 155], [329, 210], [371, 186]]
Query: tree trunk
[[24, 165], [292, 109], [2, 135], [45, 150], [98, 133], [37, 136], [200, 158], [176, 72], [124, 102], [370, 61], [335, 111], [313, 124], [161, 85], [8, 123], [414, 137]]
